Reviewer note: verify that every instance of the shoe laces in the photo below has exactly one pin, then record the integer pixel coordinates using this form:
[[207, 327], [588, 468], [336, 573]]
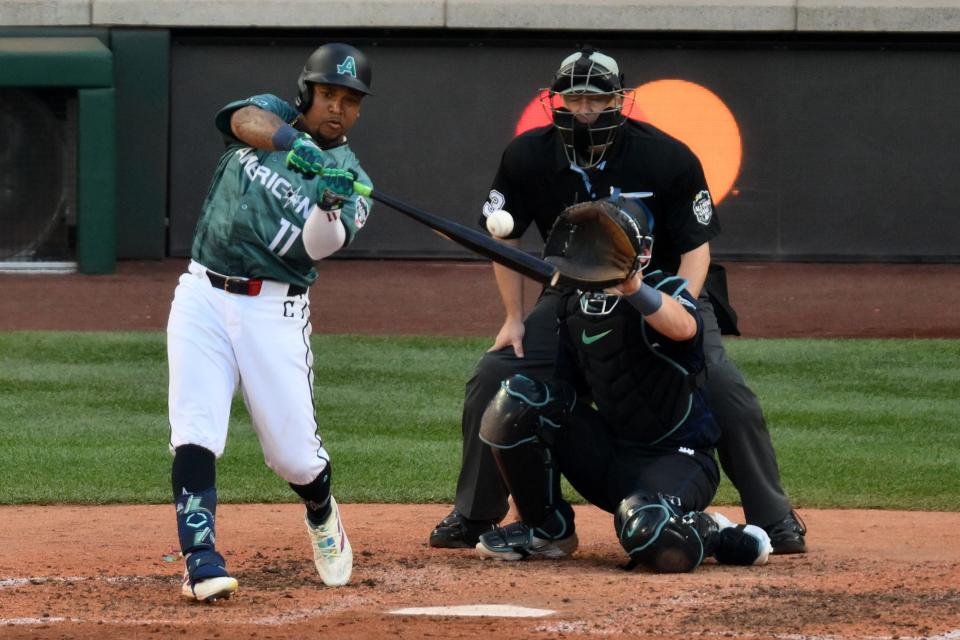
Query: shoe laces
[[800, 523], [791, 524], [328, 538]]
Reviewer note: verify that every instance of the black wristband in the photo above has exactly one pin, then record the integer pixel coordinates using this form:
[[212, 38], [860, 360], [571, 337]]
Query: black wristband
[[646, 300], [283, 137]]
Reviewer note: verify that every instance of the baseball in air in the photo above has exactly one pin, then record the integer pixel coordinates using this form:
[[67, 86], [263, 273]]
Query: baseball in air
[[500, 223]]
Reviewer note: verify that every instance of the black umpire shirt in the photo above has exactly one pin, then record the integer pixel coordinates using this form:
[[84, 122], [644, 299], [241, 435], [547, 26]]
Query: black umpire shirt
[[535, 182]]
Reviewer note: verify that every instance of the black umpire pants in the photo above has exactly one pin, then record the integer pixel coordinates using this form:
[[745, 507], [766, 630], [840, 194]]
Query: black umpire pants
[[745, 450]]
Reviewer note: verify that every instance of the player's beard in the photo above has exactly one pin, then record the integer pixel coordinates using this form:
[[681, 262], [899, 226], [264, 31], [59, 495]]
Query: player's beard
[[328, 137]]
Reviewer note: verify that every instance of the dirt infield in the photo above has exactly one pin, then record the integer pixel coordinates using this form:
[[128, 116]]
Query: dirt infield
[[459, 298], [109, 573], [112, 572]]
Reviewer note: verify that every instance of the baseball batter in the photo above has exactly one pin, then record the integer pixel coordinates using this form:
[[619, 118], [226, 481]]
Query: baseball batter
[[281, 199]]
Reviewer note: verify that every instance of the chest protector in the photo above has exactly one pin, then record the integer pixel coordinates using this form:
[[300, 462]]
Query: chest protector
[[644, 395]]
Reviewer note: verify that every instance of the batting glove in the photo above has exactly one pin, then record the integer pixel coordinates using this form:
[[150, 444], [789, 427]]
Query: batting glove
[[305, 156], [338, 181]]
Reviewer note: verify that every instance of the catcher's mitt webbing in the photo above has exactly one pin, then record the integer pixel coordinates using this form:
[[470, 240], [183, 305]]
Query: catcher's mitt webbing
[[594, 245]]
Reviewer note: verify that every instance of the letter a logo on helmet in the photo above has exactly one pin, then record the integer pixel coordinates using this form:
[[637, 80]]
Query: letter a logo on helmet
[[348, 67], [352, 71]]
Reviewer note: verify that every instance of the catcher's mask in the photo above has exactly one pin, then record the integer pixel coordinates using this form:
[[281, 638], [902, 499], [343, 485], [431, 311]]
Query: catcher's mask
[[596, 76], [596, 245], [335, 63]]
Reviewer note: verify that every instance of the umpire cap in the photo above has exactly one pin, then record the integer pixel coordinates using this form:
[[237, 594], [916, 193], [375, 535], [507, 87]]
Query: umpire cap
[[335, 63]]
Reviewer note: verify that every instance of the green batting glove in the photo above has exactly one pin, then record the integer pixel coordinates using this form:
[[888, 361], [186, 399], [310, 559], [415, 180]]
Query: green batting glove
[[306, 156], [338, 181]]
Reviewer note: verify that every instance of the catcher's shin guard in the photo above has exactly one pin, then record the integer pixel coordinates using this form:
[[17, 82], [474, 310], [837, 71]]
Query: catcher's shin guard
[[517, 425], [654, 534]]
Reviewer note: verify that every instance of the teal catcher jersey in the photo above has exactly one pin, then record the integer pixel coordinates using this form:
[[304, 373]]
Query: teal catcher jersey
[[256, 206]]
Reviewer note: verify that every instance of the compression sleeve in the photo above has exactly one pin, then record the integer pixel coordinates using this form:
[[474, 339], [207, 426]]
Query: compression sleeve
[[323, 233]]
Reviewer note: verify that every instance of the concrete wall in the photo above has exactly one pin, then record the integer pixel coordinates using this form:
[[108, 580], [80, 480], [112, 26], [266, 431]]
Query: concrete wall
[[915, 16]]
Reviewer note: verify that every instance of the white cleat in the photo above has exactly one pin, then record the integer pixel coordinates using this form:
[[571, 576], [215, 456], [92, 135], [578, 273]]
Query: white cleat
[[723, 522], [209, 590], [332, 552]]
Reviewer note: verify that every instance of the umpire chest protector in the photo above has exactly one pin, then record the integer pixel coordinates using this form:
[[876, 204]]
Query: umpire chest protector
[[645, 395]]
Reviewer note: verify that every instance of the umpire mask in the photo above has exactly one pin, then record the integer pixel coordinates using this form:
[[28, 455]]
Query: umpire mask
[[586, 79]]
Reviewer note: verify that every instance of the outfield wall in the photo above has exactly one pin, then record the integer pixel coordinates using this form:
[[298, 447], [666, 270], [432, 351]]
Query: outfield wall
[[844, 113]]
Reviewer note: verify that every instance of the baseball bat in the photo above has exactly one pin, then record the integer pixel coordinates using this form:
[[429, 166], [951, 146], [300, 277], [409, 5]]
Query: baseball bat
[[477, 242]]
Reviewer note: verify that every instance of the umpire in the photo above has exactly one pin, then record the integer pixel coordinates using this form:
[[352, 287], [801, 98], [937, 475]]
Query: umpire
[[593, 151]]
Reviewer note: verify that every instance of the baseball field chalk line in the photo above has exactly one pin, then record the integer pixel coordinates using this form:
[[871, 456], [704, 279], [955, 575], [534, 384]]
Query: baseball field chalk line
[[581, 626], [20, 582], [476, 610], [28, 621]]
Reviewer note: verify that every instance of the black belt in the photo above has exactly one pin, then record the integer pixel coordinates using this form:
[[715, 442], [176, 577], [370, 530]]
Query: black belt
[[247, 286]]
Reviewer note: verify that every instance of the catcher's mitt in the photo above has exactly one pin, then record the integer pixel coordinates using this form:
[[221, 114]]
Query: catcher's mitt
[[596, 245]]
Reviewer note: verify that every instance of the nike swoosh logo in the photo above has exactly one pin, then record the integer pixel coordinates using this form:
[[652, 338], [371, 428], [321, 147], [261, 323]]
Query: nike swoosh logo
[[591, 339]]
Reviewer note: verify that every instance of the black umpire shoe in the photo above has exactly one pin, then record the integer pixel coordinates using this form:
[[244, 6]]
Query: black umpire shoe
[[786, 536], [459, 532]]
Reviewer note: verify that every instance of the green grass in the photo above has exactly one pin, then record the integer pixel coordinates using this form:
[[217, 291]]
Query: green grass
[[856, 423]]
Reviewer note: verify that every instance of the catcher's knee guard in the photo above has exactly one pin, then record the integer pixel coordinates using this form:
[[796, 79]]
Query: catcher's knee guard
[[523, 410], [654, 534]]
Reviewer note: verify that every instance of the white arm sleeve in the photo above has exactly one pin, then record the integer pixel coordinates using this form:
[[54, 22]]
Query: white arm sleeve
[[323, 233]]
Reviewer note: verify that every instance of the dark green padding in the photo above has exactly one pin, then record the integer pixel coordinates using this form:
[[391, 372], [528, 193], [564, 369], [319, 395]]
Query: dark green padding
[[86, 64]]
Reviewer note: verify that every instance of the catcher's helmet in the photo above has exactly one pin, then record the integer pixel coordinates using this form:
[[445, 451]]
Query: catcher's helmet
[[334, 63], [586, 72]]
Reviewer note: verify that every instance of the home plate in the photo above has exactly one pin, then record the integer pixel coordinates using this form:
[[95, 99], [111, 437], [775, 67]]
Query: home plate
[[476, 610]]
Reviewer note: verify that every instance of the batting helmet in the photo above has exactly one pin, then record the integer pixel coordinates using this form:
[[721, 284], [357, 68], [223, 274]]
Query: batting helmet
[[335, 63]]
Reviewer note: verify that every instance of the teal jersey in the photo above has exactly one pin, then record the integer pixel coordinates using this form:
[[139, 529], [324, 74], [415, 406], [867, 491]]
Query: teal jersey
[[256, 206]]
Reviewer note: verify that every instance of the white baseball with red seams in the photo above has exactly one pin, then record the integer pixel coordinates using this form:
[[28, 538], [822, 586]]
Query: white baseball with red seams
[[500, 223]]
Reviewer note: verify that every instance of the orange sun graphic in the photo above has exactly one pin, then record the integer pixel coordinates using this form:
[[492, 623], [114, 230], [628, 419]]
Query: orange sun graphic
[[687, 111]]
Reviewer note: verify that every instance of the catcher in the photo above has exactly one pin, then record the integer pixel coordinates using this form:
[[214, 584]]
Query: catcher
[[624, 419]]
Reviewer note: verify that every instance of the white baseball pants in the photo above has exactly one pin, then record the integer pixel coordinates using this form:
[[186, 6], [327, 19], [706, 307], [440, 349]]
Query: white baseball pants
[[217, 340]]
